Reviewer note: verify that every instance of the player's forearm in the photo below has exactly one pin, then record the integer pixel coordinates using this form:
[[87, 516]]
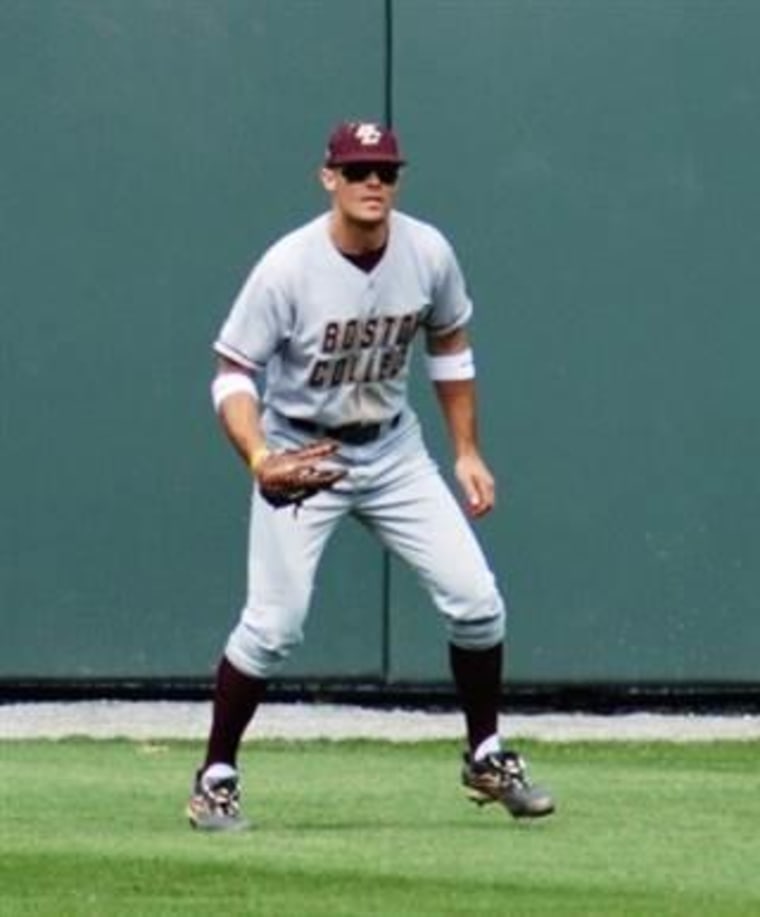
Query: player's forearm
[[457, 399], [236, 400], [240, 420]]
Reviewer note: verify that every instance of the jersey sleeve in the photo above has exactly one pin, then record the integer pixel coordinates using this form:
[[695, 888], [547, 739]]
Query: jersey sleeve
[[451, 306], [259, 320]]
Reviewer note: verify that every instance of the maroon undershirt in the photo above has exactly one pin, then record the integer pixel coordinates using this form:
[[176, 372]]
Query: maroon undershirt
[[366, 261]]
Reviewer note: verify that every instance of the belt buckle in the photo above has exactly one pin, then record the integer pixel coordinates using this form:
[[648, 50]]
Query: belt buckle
[[359, 434]]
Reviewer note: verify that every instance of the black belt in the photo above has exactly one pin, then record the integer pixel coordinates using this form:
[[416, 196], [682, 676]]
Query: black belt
[[352, 434]]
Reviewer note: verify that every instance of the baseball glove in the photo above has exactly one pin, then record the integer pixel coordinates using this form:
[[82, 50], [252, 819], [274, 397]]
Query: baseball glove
[[289, 477]]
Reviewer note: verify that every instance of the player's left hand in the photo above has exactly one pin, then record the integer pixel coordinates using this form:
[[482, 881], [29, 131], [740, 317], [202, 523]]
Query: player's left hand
[[477, 482], [290, 476]]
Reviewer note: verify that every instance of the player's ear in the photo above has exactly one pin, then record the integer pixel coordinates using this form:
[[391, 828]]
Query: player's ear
[[329, 179]]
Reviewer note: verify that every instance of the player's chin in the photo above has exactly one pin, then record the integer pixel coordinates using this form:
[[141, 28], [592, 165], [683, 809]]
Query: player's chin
[[371, 215]]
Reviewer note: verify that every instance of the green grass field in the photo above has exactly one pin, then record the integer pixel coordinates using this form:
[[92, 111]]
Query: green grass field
[[351, 828]]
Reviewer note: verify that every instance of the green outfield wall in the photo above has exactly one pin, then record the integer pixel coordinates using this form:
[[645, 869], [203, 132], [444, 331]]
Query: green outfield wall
[[595, 165]]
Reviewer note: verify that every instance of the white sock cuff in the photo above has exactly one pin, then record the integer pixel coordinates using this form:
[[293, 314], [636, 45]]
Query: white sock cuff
[[220, 771], [489, 746]]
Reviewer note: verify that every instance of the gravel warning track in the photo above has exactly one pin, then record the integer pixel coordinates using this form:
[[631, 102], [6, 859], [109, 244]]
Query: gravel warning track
[[179, 720]]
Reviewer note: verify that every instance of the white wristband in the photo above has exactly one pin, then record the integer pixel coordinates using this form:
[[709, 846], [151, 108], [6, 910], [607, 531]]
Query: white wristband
[[226, 384], [445, 367]]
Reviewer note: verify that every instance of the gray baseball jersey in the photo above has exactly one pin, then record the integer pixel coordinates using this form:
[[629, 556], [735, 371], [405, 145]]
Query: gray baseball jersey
[[335, 340]]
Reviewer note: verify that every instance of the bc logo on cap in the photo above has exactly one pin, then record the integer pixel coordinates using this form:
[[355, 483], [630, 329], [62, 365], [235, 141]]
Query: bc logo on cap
[[368, 134]]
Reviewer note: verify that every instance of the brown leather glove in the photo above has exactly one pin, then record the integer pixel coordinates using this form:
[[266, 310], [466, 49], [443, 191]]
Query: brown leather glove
[[289, 477]]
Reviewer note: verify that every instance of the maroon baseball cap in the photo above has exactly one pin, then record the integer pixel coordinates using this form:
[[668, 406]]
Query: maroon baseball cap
[[362, 141]]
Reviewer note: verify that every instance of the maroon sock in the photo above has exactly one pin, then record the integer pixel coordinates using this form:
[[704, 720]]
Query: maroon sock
[[236, 697], [477, 676]]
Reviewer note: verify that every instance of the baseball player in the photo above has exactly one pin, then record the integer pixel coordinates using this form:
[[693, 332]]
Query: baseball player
[[331, 312]]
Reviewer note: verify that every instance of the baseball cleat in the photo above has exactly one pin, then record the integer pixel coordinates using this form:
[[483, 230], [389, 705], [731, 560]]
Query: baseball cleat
[[501, 778], [215, 802]]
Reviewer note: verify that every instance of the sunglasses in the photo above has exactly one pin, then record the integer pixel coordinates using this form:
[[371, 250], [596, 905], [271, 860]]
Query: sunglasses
[[355, 172]]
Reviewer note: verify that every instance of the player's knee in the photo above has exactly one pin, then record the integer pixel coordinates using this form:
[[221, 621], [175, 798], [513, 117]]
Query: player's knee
[[483, 626], [259, 649]]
